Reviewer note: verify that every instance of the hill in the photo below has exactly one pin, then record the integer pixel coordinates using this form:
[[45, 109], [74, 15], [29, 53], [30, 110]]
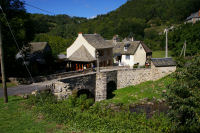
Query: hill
[[144, 19]]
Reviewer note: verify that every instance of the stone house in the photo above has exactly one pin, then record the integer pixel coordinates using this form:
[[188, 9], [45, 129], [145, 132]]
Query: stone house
[[84, 51], [130, 53], [38, 55], [35, 52], [193, 18]]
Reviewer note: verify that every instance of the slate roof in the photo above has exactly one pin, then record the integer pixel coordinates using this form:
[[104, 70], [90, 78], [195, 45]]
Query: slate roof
[[97, 41], [147, 49], [132, 47], [193, 15], [37, 46], [82, 55], [163, 62]]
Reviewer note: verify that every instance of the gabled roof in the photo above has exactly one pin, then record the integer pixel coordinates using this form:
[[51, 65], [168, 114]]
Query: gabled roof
[[131, 47], [147, 49], [82, 54], [37, 46], [163, 62], [193, 15], [97, 41]]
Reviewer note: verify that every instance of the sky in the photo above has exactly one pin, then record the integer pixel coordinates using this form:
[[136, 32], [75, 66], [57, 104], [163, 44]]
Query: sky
[[80, 8]]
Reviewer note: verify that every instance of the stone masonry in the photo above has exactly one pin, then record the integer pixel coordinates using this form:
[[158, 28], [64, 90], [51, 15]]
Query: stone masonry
[[97, 83]]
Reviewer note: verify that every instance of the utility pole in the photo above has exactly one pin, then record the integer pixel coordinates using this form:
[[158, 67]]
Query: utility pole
[[166, 47], [183, 51], [3, 69]]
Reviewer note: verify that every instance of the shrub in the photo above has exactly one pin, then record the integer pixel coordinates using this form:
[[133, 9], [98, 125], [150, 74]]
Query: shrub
[[184, 96], [82, 114]]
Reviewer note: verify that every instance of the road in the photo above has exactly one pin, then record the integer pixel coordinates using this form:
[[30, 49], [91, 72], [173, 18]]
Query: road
[[23, 89], [27, 89]]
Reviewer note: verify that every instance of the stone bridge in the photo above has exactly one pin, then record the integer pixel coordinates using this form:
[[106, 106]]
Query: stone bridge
[[100, 85]]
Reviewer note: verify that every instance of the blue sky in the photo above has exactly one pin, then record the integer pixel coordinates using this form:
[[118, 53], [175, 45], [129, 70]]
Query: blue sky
[[81, 8]]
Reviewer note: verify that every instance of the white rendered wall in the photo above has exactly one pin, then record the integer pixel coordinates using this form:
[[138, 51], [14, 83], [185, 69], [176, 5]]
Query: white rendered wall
[[140, 56], [126, 62], [78, 43]]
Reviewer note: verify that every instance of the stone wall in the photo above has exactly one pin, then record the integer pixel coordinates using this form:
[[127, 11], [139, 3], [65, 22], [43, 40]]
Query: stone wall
[[128, 77], [63, 88], [97, 83]]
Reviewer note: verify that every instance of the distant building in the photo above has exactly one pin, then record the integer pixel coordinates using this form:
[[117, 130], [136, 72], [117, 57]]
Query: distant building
[[193, 18], [83, 52], [130, 53], [35, 52], [165, 65], [37, 55], [163, 62]]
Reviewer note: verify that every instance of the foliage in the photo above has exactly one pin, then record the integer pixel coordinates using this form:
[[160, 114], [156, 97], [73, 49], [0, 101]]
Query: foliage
[[98, 118], [14, 117], [144, 19], [188, 33], [20, 23], [184, 97], [57, 44]]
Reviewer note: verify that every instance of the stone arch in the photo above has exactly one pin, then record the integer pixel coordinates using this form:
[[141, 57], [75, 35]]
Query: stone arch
[[111, 87], [85, 91]]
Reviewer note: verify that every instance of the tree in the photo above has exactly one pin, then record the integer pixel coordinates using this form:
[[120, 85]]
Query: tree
[[184, 97], [21, 26]]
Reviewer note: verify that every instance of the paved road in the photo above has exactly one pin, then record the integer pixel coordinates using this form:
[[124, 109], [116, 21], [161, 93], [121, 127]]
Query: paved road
[[27, 89], [23, 89]]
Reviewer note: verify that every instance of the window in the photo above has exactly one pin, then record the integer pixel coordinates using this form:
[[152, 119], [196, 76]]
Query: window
[[127, 57], [125, 48]]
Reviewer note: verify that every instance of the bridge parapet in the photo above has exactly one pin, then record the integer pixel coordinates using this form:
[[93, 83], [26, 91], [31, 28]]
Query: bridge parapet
[[101, 84]]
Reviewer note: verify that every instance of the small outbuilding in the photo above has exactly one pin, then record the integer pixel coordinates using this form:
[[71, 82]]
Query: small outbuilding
[[163, 64]]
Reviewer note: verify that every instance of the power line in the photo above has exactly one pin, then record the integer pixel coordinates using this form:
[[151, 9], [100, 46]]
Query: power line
[[38, 8], [18, 46]]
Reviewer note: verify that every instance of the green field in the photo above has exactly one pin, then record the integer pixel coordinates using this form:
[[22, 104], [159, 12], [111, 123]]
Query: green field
[[160, 54]]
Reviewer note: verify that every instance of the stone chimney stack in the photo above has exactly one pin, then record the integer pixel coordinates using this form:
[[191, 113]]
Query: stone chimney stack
[[80, 34]]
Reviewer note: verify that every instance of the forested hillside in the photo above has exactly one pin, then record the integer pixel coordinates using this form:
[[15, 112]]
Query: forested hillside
[[136, 15], [144, 19]]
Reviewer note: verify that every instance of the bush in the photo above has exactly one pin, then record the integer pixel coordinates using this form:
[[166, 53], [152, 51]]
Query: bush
[[82, 114], [184, 96]]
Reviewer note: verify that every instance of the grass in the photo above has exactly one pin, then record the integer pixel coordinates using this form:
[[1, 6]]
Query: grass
[[134, 94], [15, 118], [160, 54], [9, 84]]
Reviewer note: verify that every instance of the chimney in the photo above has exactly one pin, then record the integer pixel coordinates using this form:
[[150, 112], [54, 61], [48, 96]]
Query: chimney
[[80, 34]]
